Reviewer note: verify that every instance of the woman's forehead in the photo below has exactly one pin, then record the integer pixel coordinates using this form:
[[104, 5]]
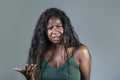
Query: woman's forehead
[[54, 20]]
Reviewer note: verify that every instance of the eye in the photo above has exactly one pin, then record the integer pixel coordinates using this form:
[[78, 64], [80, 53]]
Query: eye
[[50, 27], [59, 26]]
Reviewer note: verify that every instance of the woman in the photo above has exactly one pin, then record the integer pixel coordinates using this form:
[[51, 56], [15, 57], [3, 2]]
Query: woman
[[56, 53]]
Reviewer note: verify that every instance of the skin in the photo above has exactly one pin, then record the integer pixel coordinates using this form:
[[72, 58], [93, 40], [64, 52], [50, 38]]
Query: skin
[[54, 30], [55, 55], [84, 61], [28, 71]]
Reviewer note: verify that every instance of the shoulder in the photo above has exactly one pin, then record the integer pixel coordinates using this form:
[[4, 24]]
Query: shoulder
[[84, 61], [82, 53]]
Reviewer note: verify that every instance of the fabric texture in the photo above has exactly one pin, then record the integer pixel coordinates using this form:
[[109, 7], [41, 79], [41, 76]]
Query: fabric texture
[[61, 73]]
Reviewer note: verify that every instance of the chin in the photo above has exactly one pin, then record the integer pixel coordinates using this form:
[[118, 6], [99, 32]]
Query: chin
[[56, 42]]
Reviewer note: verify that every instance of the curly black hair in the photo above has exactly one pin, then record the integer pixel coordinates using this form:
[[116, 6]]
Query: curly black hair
[[40, 42]]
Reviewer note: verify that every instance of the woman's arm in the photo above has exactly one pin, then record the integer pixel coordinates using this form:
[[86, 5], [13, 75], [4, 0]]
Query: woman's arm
[[84, 58]]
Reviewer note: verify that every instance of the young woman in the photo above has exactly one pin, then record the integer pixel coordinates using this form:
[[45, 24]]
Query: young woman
[[56, 53]]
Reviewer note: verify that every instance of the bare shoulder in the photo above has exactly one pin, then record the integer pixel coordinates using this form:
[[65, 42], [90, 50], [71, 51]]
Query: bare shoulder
[[82, 53], [84, 61]]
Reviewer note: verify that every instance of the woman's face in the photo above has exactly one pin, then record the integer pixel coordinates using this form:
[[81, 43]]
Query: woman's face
[[54, 30]]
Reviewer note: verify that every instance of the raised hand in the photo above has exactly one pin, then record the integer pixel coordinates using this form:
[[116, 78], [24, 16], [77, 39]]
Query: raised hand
[[28, 72]]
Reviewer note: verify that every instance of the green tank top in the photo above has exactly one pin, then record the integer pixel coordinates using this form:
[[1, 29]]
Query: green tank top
[[61, 73]]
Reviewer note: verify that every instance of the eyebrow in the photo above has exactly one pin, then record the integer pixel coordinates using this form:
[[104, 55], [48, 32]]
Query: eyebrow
[[58, 24]]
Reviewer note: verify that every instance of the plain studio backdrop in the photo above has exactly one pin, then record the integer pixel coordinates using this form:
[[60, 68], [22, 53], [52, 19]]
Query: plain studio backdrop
[[97, 23]]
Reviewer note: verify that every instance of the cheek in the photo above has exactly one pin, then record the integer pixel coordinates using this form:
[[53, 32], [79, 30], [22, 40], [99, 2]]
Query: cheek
[[62, 31], [48, 33]]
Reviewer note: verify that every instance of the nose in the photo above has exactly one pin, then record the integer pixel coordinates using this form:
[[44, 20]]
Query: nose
[[55, 29]]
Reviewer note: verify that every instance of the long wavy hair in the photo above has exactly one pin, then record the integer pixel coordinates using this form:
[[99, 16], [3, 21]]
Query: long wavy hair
[[40, 41]]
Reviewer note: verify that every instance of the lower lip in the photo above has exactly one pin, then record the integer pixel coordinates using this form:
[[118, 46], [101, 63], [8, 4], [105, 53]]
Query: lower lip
[[56, 39]]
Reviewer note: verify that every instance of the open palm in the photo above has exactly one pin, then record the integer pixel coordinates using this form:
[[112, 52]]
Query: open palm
[[28, 72]]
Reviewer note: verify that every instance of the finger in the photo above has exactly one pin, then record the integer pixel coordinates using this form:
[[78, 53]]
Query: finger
[[18, 69], [33, 69], [31, 66], [26, 67]]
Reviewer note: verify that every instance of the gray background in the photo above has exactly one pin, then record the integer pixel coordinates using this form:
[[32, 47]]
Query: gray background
[[97, 22]]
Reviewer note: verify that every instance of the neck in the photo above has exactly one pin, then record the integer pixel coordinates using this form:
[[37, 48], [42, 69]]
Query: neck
[[57, 46], [58, 50]]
